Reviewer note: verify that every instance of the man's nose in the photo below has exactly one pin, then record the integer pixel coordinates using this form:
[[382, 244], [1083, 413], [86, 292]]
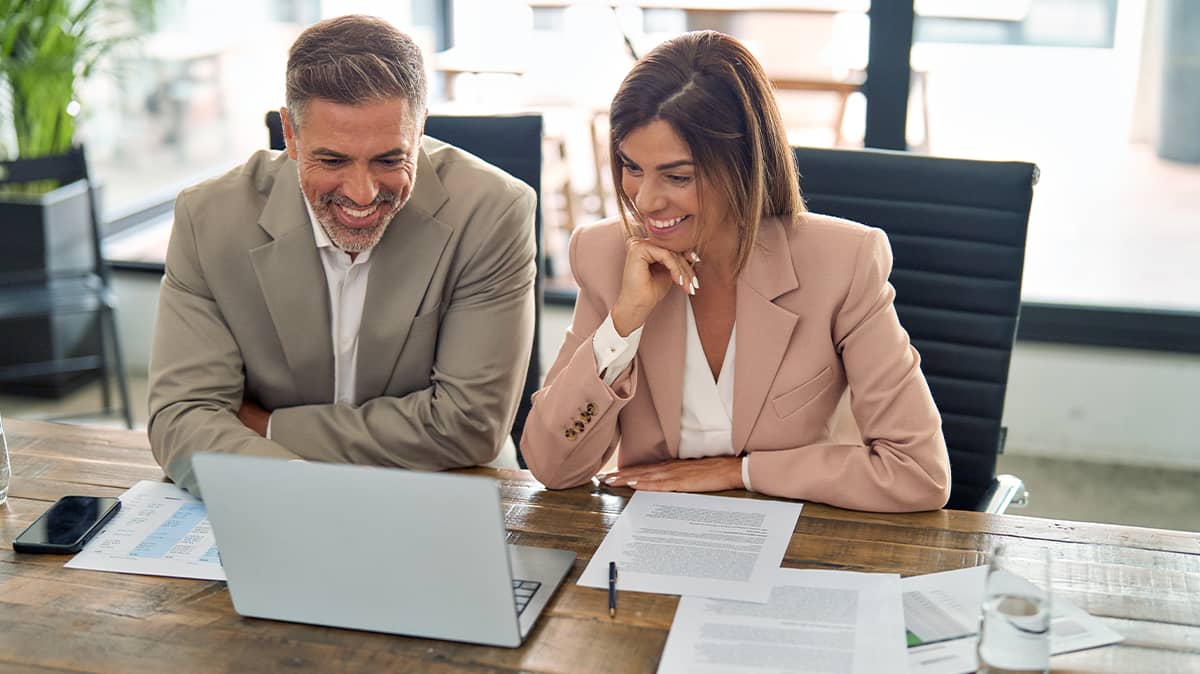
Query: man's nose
[[360, 187]]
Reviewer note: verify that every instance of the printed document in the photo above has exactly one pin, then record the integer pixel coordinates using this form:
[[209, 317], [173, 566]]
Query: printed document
[[941, 618], [691, 544], [161, 530], [816, 621]]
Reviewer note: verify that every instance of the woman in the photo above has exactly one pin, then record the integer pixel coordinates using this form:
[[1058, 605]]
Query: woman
[[719, 325]]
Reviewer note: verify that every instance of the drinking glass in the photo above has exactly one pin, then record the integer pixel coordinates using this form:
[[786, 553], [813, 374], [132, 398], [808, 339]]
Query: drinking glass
[[1014, 630], [5, 469]]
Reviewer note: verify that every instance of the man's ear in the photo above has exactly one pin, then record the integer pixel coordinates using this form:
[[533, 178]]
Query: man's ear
[[289, 134]]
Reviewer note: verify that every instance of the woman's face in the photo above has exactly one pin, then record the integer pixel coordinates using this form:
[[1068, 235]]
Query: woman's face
[[659, 177]]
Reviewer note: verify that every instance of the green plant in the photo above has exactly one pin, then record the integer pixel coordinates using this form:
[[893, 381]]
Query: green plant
[[46, 47]]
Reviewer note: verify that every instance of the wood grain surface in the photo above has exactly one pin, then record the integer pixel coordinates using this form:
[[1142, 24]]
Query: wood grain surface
[[1144, 583]]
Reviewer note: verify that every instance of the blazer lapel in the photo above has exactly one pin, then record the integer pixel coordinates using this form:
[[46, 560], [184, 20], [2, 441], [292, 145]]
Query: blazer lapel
[[764, 328], [661, 353], [402, 266], [293, 283]]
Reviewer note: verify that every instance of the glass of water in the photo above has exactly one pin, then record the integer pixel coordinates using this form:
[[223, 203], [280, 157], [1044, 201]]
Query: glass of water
[[1014, 630], [5, 468]]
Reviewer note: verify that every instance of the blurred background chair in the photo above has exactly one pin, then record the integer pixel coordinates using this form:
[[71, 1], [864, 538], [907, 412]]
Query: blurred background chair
[[58, 302], [512, 143], [957, 229]]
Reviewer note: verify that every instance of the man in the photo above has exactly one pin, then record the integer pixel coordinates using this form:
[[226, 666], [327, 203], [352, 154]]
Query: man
[[366, 297]]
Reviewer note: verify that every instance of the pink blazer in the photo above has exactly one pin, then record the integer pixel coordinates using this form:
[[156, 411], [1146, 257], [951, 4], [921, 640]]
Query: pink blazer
[[814, 319]]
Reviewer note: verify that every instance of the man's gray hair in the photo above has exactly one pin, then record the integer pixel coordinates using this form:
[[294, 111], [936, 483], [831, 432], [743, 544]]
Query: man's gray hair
[[354, 59]]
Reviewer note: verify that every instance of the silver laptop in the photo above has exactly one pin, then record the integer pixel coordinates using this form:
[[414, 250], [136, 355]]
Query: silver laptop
[[386, 550]]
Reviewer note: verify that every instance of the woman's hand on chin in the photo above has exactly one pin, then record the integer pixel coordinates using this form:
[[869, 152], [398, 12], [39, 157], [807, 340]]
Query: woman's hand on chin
[[649, 273], [715, 473]]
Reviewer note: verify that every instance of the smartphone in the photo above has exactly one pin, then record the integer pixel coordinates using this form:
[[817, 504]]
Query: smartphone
[[67, 525]]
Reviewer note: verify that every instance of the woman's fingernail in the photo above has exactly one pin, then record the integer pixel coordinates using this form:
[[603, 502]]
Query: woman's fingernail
[[681, 280], [610, 480], [695, 257], [696, 282], [632, 483]]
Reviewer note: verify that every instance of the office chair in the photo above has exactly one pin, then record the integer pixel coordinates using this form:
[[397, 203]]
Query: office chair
[[513, 144], [957, 229], [29, 294]]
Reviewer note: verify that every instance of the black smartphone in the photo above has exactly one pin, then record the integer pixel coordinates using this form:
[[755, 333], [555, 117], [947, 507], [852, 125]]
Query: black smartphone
[[67, 525]]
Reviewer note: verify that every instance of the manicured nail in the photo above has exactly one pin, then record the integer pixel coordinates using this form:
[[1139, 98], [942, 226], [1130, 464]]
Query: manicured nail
[[691, 289], [681, 280], [632, 483], [695, 257], [610, 480], [696, 282]]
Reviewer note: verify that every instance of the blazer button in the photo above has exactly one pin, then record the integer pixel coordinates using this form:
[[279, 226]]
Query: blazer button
[[569, 433], [579, 426], [591, 408]]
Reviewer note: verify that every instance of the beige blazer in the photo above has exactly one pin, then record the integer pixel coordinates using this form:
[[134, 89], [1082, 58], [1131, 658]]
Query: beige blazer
[[814, 319], [446, 333]]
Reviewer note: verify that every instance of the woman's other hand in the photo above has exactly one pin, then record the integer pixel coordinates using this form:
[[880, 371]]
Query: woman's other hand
[[650, 271], [716, 473]]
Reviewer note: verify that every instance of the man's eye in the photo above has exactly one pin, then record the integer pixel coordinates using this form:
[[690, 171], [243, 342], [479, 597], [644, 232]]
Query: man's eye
[[391, 163], [326, 161]]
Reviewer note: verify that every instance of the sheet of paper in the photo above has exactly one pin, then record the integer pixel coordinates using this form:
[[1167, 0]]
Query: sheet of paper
[[161, 530], [691, 544], [941, 617], [832, 622]]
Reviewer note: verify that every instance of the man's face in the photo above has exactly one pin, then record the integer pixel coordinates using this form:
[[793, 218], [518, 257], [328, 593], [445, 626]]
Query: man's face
[[358, 165]]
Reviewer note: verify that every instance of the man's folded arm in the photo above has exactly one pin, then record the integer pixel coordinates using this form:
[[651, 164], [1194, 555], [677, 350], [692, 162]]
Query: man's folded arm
[[483, 348], [196, 376]]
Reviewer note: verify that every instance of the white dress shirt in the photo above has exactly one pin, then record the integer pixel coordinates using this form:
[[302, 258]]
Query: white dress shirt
[[346, 281], [706, 419]]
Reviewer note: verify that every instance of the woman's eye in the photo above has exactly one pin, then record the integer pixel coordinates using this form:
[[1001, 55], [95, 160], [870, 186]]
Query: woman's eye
[[633, 170], [679, 180]]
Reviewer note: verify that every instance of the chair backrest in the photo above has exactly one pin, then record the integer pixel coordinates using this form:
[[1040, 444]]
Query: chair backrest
[[57, 171], [512, 143], [957, 229]]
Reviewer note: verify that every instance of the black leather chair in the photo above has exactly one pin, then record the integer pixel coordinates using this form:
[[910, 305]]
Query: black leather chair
[[42, 294], [514, 144], [957, 229]]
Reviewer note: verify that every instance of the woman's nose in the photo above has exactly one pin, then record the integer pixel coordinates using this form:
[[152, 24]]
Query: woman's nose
[[648, 199]]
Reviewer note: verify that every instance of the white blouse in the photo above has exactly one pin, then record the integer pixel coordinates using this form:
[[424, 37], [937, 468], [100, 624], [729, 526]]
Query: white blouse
[[706, 420]]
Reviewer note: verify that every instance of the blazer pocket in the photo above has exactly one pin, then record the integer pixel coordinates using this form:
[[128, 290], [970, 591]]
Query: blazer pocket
[[787, 404]]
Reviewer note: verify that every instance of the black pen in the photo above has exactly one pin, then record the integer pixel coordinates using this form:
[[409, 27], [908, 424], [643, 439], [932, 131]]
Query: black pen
[[612, 589]]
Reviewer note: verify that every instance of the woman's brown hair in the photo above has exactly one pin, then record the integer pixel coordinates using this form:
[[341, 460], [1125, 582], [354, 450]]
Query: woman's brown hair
[[715, 95]]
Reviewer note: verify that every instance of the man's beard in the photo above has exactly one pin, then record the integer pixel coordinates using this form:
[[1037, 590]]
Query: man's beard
[[356, 239]]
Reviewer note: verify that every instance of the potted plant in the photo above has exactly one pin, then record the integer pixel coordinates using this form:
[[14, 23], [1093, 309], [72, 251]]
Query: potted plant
[[46, 48]]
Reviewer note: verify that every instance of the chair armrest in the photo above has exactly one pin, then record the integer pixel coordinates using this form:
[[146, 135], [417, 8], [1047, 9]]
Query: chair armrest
[[1006, 490]]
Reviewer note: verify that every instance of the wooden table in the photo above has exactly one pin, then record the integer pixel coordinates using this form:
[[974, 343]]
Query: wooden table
[[1144, 583]]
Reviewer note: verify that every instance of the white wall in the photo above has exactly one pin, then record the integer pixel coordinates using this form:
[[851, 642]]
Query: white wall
[[1112, 405]]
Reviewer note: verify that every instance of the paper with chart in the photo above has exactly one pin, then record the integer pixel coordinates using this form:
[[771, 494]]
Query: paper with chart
[[161, 530], [941, 618], [832, 622], [691, 544]]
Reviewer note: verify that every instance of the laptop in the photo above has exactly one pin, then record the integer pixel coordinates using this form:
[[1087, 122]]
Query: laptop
[[379, 549]]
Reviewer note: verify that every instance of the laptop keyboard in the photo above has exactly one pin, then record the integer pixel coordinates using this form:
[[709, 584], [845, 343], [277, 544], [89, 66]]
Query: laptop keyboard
[[523, 591]]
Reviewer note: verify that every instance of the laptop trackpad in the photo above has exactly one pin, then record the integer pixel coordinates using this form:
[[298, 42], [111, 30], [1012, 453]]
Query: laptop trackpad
[[540, 565]]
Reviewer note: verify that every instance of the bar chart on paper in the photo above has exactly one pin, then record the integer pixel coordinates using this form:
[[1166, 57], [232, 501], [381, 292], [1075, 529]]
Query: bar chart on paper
[[160, 531]]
